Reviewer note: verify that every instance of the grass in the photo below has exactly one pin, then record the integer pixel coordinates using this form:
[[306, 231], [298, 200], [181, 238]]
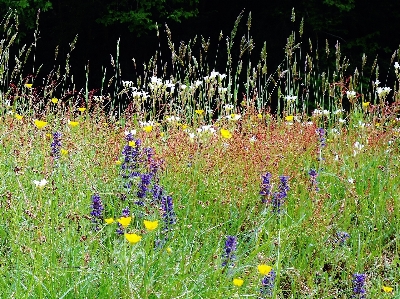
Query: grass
[[215, 226]]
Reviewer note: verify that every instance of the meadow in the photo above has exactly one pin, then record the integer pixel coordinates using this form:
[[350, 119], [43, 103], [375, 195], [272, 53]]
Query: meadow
[[188, 182]]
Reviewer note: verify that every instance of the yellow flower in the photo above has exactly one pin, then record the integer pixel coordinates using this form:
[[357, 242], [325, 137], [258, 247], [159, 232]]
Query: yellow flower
[[82, 109], [387, 289], [199, 111], [133, 238], [124, 221], [226, 134], [259, 115], [238, 282], [64, 152], [54, 100], [365, 104], [289, 118], [40, 124], [377, 125], [148, 129], [169, 250], [73, 123], [109, 220], [184, 126], [131, 143], [17, 116], [28, 85], [150, 225], [118, 162], [162, 134], [264, 269]]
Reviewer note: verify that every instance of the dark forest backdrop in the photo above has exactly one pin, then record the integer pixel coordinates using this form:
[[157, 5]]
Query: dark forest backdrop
[[360, 26]]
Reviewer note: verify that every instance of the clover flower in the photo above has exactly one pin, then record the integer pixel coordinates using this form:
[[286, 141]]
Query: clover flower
[[359, 291], [97, 211], [267, 284], [313, 174], [56, 145], [266, 186], [229, 251]]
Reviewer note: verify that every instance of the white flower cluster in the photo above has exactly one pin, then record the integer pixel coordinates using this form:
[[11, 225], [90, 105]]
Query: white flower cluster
[[319, 112]]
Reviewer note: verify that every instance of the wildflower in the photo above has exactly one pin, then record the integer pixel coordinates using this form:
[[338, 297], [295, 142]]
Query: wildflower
[[228, 107], [81, 109], [28, 85], [133, 238], [64, 152], [290, 98], [365, 104], [351, 94], [321, 135], [233, 116], [118, 162], [73, 123], [264, 269], [226, 134], [131, 132], [359, 286], [377, 82], [230, 248], [313, 174], [387, 289], [260, 116], [289, 118], [145, 180], [97, 211], [56, 145], [148, 129], [40, 124], [341, 237], [172, 118], [278, 197], [396, 65], [150, 225], [267, 283], [199, 111], [40, 184], [238, 282], [125, 221], [167, 207], [54, 100], [109, 220], [266, 186], [383, 91], [17, 116]]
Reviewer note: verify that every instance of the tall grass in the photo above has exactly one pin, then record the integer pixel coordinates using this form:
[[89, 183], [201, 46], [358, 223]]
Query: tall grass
[[209, 150]]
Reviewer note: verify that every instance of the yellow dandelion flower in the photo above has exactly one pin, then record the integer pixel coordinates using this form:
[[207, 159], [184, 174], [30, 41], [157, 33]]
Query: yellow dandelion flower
[[28, 85], [289, 118], [118, 162], [259, 115], [365, 104], [54, 100], [226, 134], [64, 152], [40, 124], [150, 225], [73, 123], [238, 282], [124, 221], [264, 269], [148, 129], [82, 109], [109, 220], [17, 116], [199, 111], [169, 250], [133, 238], [387, 289]]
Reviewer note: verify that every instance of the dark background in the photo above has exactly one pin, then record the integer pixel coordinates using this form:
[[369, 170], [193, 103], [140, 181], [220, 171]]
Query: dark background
[[360, 26]]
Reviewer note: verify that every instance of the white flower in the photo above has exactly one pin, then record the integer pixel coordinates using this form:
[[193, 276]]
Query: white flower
[[341, 120], [377, 82], [183, 86], [253, 139], [233, 116], [146, 123], [396, 65], [127, 84], [291, 98], [132, 132], [198, 83], [228, 107], [40, 184], [172, 118], [358, 145], [383, 91], [338, 111], [350, 180], [351, 94]]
